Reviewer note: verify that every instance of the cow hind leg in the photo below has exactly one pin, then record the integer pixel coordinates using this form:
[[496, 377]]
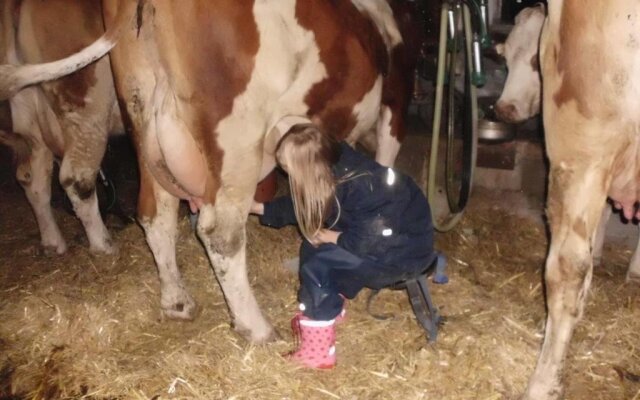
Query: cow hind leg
[[575, 203], [387, 135], [633, 274], [223, 233], [598, 238], [78, 173], [34, 175], [158, 215], [79, 186]]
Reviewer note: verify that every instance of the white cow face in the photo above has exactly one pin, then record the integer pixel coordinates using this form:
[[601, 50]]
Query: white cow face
[[520, 98]]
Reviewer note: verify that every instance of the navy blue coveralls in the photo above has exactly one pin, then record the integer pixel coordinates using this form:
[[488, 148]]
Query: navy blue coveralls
[[387, 235]]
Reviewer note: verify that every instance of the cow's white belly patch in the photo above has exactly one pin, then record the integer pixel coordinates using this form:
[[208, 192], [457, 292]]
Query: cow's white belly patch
[[367, 111], [287, 66]]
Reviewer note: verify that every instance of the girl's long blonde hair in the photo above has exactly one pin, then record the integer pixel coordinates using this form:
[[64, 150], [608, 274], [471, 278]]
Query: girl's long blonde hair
[[307, 154]]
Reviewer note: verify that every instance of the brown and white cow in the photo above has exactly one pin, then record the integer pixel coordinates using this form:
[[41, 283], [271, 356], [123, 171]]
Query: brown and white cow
[[590, 64], [68, 119], [520, 99], [209, 86], [204, 83]]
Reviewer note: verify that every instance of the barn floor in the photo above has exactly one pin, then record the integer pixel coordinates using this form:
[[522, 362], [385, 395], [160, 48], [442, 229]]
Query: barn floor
[[88, 326]]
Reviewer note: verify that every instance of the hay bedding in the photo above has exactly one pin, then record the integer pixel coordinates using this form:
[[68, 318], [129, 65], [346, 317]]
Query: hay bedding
[[85, 326]]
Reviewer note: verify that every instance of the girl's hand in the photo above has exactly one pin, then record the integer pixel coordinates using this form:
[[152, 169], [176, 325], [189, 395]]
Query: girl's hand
[[327, 236], [256, 208]]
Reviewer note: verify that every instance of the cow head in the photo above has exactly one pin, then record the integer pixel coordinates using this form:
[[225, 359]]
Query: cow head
[[520, 98]]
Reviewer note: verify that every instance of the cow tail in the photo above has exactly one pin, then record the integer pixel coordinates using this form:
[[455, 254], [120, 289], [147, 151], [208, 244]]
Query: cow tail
[[9, 14], [15, 77]]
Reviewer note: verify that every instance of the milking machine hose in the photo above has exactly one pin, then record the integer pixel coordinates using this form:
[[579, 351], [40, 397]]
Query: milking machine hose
[[453, 218]]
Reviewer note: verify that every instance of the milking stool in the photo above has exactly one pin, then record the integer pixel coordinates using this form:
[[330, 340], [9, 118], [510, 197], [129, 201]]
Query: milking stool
[[418, 291]]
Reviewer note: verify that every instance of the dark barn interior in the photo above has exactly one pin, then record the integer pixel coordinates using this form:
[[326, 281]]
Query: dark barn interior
[[85, 325]]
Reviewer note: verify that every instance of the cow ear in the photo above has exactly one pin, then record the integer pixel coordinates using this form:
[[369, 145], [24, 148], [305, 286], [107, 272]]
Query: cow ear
[[499, 47]]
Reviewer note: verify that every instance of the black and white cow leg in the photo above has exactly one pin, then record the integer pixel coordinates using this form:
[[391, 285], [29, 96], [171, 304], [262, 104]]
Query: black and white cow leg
[[34, 174], [160, 224], [575, 201], [222, 229]]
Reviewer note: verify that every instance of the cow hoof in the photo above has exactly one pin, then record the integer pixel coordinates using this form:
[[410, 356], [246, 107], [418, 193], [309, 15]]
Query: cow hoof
[[53, 250], [184, 309], [270, 336], [107, 249]]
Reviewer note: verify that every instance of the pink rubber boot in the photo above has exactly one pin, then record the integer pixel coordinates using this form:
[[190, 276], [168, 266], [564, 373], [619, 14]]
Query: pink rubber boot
[[316, 342], [340, 318]]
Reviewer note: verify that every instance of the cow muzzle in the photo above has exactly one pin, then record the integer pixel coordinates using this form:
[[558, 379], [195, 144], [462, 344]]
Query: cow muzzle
[[507, 112]]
